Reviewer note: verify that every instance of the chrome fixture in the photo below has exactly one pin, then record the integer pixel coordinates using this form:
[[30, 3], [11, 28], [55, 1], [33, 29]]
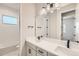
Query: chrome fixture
[[49, 8]]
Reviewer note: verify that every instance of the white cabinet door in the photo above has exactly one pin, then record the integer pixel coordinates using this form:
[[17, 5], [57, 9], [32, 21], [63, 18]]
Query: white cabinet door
[[41, 52], [30, 51]]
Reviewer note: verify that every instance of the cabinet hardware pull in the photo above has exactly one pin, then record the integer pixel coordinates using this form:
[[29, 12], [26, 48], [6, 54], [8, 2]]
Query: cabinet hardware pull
[[29, 51], [39, 27], [40, 51], [30, 26]]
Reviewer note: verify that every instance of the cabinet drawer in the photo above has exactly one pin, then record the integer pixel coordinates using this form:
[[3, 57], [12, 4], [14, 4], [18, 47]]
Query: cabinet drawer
[[50, 54], [41, 52], [30, 45], [30, 51]]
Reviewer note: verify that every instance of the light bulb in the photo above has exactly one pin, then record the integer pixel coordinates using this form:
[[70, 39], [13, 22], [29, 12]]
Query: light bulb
[[51, 11], [56, 5], [43, 11], [48, 7]]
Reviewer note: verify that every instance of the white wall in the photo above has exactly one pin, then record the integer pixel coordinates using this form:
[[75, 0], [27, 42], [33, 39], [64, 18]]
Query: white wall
[[9, 34], [52, 25], [27, 18]]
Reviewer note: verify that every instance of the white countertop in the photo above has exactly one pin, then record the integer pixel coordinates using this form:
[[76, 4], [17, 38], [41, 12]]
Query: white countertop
[[47, 44]]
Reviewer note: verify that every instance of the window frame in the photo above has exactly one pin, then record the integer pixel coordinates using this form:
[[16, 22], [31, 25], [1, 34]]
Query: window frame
[[9, 23]]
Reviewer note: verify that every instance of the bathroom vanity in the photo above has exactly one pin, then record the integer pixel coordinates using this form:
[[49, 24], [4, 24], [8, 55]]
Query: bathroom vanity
[[46, 47], [37, 48]]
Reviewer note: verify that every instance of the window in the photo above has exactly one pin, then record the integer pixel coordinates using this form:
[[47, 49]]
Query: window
[[9, 20]]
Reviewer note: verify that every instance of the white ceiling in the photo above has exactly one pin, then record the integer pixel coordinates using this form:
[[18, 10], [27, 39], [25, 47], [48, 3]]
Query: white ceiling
[[11, 5]]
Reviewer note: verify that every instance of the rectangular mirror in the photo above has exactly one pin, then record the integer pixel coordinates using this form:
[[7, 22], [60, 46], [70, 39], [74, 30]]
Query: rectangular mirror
[[41, 22], [41, 26], [68, 25]]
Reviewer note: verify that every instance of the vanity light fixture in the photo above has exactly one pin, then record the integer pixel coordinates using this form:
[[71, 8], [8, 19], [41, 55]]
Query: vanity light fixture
[[43, 11], [56, 4], [49, 8]]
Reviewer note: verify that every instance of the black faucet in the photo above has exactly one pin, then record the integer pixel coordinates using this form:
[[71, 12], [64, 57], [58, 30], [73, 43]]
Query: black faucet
[[39, 37], [68, 41]]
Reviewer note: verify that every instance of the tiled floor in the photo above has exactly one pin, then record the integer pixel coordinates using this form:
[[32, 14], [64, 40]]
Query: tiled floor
[[9, 51], [13, 53]]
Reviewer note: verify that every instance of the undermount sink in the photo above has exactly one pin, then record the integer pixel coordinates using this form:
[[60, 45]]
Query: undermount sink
[[66, 51]]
